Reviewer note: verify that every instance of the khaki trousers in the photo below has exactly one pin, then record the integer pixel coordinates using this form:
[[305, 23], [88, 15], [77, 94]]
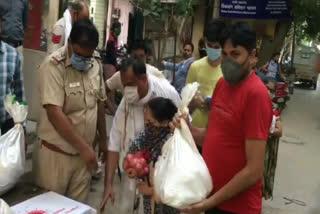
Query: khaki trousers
[[66, 175]]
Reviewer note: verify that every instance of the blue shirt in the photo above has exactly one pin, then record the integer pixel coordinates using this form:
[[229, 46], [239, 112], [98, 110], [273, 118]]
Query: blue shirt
[[11, 77], [273, 70], [182, 69]]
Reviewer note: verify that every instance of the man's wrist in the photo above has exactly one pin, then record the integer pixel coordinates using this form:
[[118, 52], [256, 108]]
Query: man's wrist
[[210, 203]]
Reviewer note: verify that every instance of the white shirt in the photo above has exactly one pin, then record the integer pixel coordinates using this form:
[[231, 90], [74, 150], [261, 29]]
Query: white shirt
[[129, 119]]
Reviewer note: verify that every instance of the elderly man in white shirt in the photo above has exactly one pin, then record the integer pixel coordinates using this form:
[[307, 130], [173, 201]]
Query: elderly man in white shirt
[[139, 88], [139, 50]]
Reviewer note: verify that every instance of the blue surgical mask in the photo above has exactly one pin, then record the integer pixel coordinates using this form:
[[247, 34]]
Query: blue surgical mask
[[213, 54], [80, 63]]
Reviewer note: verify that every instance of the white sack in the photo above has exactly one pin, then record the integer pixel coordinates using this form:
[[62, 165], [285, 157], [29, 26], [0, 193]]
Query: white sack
[[12, 146], [181, 176]]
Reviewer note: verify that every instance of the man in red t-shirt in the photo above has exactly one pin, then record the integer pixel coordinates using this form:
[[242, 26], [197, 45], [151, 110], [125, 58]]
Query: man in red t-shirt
[[235, 140]]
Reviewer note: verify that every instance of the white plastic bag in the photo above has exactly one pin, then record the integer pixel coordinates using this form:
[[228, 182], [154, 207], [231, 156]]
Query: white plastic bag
[[181, 177], [4, 208], [12, 148]]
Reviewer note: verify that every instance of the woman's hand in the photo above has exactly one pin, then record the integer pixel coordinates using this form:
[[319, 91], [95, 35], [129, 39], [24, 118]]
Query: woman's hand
[[145, 189]]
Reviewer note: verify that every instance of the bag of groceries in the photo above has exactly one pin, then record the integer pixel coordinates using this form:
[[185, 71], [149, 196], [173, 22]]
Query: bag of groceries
[[181, 177], [12, 145]]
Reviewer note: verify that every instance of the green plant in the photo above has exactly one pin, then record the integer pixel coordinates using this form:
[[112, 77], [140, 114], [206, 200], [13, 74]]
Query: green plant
[[306, 16], [159, 11]]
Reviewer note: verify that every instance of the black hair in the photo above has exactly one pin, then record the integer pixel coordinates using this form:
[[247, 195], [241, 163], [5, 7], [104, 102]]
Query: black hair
[[272, 80], [189, 43], [115, 25], [162, 109], [214, 30], [85, 34], [275, 54], [137, 45], [240, 34], [77, 5], [138, 66]]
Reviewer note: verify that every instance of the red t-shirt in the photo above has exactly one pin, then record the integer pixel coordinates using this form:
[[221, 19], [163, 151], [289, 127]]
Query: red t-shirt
[[237, 113]]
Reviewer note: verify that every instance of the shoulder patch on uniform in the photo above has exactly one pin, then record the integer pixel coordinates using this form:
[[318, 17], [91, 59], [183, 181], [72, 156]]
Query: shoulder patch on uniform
[[57, 59], [56, 39]]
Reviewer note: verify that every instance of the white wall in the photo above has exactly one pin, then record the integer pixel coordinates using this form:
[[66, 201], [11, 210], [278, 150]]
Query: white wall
[[126, 8], [98, 12]]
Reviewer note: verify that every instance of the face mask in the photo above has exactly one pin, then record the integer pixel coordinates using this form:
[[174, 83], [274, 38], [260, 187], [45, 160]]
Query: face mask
[[80, 63], [213, 54], [232, 71], [131, 94]]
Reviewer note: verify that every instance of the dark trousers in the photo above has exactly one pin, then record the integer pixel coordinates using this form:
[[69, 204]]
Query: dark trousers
[[6, 126], [217, 211]]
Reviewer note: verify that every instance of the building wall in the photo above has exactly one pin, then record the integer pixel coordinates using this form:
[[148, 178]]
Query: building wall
[[198, 26], [98, 14], [126, 7]]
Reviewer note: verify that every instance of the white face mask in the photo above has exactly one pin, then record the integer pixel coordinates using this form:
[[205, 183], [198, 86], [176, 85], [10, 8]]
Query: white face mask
[[131, 94]]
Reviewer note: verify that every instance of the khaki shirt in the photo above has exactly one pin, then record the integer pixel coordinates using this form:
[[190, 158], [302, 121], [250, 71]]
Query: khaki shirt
[[57, 36], [77, 93]]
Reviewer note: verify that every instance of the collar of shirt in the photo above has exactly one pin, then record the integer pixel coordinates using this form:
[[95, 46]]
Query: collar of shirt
[[189, 60], [150, 93], [68, 56]]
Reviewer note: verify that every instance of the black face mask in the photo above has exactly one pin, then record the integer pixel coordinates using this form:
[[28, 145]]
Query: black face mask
[[233, 72]]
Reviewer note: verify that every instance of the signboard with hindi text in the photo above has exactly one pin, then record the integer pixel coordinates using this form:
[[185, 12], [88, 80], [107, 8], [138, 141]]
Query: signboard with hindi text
[[255, 9]]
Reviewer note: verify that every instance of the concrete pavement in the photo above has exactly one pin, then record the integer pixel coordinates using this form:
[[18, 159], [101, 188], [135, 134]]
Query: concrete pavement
[[298, 174]]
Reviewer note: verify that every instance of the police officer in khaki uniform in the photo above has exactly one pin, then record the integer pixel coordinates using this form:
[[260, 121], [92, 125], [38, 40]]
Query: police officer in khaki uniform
[[77, 10], [71, 95]]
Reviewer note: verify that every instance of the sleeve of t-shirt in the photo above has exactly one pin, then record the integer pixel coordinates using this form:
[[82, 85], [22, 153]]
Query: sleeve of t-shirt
[[215, 91], [191, 77], [102, 85], [114, 83], [51, 85], [258, 115]]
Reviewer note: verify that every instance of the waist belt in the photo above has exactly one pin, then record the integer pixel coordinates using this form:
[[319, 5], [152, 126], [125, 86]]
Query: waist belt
[[54, 148]]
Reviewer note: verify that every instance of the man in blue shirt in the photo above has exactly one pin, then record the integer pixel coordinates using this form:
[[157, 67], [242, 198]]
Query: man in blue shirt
[[182, 68], [11, 77]]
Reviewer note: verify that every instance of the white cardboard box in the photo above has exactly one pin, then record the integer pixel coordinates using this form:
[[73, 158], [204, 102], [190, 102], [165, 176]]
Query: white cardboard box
[[52, 203]]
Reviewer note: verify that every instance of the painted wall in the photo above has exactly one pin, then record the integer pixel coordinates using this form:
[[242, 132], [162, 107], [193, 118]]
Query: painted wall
[[198, 26], [98, 14], [126, 8]]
